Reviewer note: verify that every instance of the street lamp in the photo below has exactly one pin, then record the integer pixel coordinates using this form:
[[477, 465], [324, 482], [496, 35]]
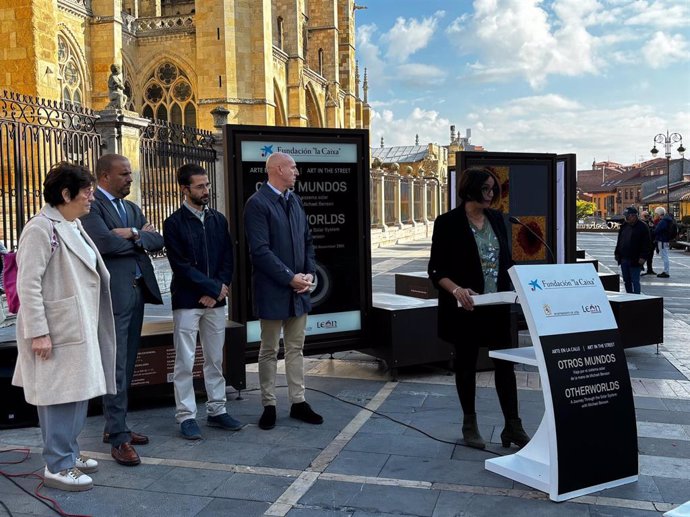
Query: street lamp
[[668, 140]]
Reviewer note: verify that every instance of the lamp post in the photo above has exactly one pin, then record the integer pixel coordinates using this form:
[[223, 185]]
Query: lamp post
[[668, 140]]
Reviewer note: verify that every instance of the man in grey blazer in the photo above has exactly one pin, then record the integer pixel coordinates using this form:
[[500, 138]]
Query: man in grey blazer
[[123, 236], [282, 256]]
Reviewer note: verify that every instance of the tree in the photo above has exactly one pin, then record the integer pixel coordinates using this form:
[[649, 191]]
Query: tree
[[584, 209]]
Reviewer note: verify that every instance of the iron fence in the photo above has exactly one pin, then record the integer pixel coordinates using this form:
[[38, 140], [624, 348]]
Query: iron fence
[[34, 135], [164, 148]]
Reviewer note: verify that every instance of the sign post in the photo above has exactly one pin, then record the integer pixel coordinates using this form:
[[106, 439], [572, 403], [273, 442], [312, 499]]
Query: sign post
[[587, 440]]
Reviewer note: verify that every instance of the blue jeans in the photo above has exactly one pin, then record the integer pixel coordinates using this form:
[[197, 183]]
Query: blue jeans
[[631, 275]]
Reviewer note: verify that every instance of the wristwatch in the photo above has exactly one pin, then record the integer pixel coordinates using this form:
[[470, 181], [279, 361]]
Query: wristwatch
[[135, 232]]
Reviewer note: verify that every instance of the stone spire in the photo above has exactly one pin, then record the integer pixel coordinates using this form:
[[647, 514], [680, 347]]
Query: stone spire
[[381, 142], [452, 133], [365, 87], [357, 79], [416, 139]]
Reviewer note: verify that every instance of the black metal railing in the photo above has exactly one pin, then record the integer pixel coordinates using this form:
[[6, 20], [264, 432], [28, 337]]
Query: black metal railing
[[35, 134], [165, 147]]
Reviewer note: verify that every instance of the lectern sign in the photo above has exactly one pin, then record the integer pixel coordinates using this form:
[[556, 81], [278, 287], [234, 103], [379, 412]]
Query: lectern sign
[[587, 440]]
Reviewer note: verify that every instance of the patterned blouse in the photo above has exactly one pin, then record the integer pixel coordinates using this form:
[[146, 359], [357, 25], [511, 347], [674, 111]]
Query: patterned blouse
[[487, 244]]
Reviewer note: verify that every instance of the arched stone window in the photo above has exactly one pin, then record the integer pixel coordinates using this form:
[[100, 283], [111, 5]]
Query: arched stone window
[[69, 73], [168, 95]]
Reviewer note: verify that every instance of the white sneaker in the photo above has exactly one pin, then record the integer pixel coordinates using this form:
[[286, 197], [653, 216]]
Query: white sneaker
[[86, 465], [72, 480]]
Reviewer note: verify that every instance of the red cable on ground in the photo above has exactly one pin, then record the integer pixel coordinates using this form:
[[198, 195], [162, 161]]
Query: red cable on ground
[[32, 475]]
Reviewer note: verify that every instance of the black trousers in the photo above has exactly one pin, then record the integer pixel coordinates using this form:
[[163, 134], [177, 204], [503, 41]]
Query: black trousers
[[466, 381]]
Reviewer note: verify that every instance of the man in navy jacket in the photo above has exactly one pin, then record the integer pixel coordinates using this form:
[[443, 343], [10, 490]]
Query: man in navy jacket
[[282, 255], [632, 247], [199, 249]]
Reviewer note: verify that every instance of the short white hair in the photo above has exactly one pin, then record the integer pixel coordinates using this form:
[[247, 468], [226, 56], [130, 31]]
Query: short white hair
[[660, 210]]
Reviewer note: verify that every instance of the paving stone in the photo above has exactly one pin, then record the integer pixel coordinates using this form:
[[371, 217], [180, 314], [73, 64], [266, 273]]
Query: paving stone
[[358, 463], [451, 504], [645, 489], [443, 471], [252, 487], [289, 457], [120, 502], [399, 444], [142, 477], [230, 507], [672, 448], [669, 417], [673, 490], [190, 481], [333, 495], [649, 403]]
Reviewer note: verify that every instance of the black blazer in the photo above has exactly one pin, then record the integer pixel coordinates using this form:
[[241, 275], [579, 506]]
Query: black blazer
[[454, 255], [122, 256]]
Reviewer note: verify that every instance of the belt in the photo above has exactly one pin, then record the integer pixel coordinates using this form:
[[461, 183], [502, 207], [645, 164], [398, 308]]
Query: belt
[[138, 281]]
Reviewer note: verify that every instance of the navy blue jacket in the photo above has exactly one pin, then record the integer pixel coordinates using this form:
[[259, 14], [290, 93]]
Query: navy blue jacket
[[662, 229], [200, 255], [279, 248]]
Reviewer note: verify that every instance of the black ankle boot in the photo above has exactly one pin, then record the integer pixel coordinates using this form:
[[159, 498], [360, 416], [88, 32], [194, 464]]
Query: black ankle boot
[[514, 433], [470, 432]]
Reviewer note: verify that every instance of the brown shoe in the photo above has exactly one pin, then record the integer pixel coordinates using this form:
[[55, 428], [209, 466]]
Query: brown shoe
[[137, 439], [125, 455]]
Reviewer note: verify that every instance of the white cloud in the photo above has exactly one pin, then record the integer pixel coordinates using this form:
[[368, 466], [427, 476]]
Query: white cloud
[[428, 124], [408, 36], [518, 38], [540, 124], [420, 74], [370, 56], [663, 50], [659, 14]]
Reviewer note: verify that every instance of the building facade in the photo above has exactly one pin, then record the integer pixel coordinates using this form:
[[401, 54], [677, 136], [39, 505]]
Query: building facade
[[268, 62]]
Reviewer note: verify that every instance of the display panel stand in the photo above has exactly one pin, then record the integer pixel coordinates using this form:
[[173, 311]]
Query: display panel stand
[[587, 439]]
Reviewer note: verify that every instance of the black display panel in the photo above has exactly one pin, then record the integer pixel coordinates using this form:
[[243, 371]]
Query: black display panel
[[334, 188]]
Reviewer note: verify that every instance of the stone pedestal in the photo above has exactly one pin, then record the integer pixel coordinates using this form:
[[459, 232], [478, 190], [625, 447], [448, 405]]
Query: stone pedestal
[[120, 132]]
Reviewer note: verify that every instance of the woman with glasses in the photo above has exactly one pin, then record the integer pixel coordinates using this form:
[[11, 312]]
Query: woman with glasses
[[470, 255], [65, 328]]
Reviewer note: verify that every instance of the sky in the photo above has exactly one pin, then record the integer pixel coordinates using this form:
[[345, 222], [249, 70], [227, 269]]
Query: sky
[[598, 78]]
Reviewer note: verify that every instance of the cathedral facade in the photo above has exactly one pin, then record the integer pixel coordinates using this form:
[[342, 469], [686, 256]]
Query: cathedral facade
[[268, 62]]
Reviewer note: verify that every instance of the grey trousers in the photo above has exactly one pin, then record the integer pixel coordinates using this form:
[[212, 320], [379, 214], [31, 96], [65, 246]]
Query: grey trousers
[[209, 324], [127, 335], [60, 427]]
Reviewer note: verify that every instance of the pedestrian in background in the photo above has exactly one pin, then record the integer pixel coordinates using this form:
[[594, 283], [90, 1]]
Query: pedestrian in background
[[632, 249], [199, 249], [663, 236], [283, 267]]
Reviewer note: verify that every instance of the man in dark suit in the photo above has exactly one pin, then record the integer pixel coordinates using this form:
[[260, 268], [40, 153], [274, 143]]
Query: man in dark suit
[[123, 236], [283, 266]]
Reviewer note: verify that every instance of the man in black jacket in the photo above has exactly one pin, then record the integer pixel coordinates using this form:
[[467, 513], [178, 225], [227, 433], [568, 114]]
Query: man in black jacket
[[199, 249], [632, 248]]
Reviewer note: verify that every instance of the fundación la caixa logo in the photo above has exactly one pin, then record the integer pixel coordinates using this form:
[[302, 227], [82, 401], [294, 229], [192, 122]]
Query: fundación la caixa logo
[[534, 284], [266, 151]]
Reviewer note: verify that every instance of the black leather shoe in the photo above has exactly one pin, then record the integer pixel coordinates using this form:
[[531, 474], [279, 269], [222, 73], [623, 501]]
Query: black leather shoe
[[268, 419], [302, 411]]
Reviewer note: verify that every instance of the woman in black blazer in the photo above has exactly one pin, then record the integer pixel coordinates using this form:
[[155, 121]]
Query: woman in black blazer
[[470, 255]]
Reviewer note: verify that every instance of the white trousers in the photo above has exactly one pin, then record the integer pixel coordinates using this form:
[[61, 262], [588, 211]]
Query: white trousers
[[663, 251], [209, 324], [293, 342]]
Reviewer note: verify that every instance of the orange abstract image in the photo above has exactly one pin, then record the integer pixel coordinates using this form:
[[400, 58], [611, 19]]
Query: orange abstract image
[[502, 172], [526, 247]]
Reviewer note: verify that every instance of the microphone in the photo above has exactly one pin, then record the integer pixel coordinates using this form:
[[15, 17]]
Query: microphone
[[515, 220]]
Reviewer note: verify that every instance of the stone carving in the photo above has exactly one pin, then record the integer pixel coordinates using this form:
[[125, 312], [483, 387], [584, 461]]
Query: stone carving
[[116, 88], [376, 163], [395, 166]]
